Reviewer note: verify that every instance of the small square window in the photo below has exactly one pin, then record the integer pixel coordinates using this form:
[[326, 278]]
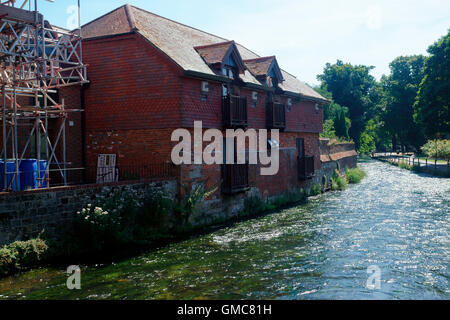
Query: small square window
[[204, 97], [253, 104], [288, 107], [205, 86]]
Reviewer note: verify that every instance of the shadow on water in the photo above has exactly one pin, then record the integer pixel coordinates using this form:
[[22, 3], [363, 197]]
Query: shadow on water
[[394, 219]]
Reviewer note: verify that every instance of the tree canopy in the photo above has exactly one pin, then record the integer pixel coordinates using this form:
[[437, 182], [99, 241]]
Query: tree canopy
[[407, 107], [433, 98], [350, 86], [400, 91]]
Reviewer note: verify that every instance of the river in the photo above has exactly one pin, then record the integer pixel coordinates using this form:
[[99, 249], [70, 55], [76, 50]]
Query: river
[[394, 220]]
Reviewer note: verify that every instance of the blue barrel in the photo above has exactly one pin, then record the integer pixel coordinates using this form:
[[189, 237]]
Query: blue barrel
[[10, 174], [42, 167], [28, 174], [29, 178]]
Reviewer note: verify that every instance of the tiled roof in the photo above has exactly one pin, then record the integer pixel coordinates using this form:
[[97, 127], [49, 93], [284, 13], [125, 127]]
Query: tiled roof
[[115, 22], [259, 66], [214, 53], [179, 41]]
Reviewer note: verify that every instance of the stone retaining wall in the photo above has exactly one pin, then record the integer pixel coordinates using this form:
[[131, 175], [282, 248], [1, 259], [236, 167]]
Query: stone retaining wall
[[23, 215]]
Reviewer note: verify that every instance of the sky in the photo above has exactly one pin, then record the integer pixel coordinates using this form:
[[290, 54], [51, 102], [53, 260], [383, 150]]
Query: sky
[[304, 35]]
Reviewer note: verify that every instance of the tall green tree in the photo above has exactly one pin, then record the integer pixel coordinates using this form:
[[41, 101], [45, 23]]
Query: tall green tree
[[335, 113], [340, 124], [433, 99], [400, 91], [350, 86]]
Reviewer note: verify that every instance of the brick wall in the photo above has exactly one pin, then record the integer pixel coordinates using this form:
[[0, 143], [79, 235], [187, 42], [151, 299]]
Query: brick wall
[[132, 147], [133, 85], [302, 117]]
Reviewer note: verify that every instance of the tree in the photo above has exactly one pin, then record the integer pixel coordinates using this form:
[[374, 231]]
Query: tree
[[437, 149], [400, 91], [341, 124], [328, 129], [337, 114], [367, 139], [351, 87], [431, 109]]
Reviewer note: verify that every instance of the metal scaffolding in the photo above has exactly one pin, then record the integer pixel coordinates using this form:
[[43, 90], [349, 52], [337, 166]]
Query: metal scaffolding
[[36, 60]]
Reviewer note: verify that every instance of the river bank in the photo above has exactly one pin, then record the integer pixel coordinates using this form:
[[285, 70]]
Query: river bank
[[393, 219], [98, 236], [434, 167]]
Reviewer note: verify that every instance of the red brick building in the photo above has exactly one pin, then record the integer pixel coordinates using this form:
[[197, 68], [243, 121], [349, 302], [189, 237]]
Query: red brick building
[[150, 75]]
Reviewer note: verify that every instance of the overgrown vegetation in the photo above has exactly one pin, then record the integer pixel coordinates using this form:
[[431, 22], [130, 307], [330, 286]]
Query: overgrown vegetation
[[123, 217], [19, 255], [400, 112], [255, 205], [354, 175], [119, 217], [192, 196], [315, 190], [404, 165], [338, 181], [437, 149]]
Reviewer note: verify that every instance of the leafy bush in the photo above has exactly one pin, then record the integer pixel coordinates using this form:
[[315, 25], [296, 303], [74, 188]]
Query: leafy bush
[[120, 217], [186, 206], [354, 175], [21, 254], [328, 129], [338, 182], [315, 190], [437, 149]]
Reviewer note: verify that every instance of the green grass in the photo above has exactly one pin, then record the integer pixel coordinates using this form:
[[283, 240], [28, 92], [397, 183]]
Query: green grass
[[404, 165], [354, 175], [431, 161]]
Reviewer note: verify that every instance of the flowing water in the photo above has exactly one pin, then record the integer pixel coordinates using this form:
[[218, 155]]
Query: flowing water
[[394, 221]]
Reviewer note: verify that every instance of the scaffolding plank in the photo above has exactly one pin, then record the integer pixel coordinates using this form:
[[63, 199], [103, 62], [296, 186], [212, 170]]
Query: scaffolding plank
[[17, 14]]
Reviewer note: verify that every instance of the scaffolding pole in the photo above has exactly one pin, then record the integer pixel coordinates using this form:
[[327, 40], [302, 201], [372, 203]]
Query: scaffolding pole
[[35, 61]]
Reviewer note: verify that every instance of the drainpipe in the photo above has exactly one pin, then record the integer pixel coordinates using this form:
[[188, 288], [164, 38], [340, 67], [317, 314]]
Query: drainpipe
[[83, 128]]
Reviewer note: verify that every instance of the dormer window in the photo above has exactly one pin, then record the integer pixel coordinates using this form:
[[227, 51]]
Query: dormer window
[[229, 72], [266, 70], [224, 58]]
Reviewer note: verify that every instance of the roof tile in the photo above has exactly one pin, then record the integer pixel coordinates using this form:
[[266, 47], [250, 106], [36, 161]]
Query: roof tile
[[179, 41]]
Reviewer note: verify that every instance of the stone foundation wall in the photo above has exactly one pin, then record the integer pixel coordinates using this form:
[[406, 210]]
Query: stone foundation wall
[[23, 215]]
